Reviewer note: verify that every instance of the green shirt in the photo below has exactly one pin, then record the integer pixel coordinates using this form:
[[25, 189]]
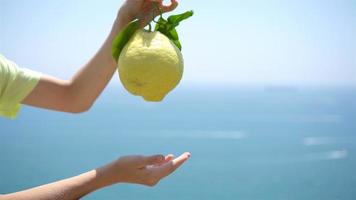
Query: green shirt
[[15, 84]]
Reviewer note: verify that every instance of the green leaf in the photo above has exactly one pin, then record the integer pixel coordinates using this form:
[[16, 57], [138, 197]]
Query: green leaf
[[174, 34], [168, 27], [175, 19], [161, 25], [177, 43], [175, 39], [123, 37]]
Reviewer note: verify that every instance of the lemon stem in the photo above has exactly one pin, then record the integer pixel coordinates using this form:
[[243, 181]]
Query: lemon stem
[[150, 27]]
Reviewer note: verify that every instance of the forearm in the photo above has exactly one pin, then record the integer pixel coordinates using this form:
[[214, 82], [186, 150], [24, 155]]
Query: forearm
[[68, 189], [79, 93], [144, 170], [90, 81]]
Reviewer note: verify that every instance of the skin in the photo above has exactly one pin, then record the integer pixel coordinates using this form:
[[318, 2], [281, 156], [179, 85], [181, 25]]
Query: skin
[[144, 170], [77, 95]]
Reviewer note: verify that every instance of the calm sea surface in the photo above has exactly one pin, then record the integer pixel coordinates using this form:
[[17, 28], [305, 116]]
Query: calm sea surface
[[251, 144]]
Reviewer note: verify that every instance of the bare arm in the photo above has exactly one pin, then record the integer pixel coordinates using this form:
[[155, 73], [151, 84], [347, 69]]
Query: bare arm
[[78, 94], [130, 169]]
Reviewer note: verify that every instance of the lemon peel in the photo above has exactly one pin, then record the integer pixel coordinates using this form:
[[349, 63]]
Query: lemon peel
[[150, 65]]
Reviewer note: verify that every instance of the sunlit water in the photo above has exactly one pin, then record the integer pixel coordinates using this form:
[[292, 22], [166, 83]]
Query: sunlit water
[[246, 144]]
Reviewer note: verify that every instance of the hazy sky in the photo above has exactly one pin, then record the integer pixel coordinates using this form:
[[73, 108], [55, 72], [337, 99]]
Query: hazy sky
[[301, 42]]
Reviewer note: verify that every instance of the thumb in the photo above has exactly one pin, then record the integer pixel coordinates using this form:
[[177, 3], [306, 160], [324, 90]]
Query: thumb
[[152, 160]]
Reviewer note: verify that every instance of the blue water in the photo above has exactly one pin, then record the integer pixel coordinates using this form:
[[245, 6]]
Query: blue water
[[246, 143]]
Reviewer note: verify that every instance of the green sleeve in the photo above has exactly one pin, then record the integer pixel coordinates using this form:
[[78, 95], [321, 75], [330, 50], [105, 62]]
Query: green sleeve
[[15, 84]]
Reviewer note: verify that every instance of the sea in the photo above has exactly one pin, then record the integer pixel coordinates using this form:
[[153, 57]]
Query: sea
[[248, 143]]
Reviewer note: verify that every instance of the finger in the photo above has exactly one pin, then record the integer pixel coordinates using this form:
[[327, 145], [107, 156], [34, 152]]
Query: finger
[[172, 165], [152, 160], [143, 22], [150, 10], [168, 158], [170, 7], [180, 160]]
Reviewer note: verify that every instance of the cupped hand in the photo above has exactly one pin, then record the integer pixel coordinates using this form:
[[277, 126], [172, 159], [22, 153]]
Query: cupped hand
[[144, 10], [145, 170]]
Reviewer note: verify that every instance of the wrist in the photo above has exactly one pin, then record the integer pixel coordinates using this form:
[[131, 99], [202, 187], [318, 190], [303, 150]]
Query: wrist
[[120, 22], [124, 17], [107, 175]]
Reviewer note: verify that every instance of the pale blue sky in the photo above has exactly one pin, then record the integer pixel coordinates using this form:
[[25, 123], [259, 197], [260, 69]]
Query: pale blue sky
[[232, 42]]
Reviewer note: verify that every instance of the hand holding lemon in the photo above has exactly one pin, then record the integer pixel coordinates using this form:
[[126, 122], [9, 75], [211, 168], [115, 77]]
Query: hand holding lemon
[[150, 63]]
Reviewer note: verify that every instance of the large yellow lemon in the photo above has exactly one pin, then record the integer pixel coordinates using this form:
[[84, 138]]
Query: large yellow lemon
[[150, 65]]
